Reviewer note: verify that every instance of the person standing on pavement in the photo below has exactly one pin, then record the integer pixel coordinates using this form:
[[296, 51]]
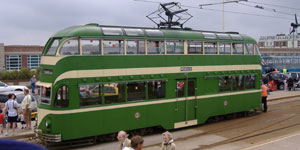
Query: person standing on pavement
[[123, 139], [136, 143], [32, 82], [26, 108], [264, 95], [11, 107], [168, 142]]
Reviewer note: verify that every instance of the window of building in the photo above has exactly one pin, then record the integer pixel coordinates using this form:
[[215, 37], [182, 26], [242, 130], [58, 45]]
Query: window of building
[[114, 93], [299, 43], [210, 48], [136, 91], [91, 46], [238, 82], [195, 47], [155, 47], [70, 48], [90, 94], [237, 48], [262, 44], [33, 61], [62, 97], [112, 47], [13, 62], [174, 47], [156, 89], [53, 47], [250, 81], [225, 83], [135, 47], [249, 49], [224, 48]]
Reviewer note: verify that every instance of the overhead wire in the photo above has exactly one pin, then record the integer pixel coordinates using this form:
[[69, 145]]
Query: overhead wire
[[226, 11]]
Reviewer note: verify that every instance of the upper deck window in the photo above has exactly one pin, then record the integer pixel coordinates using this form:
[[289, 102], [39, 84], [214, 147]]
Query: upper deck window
[[70, 48], [134, 32], [135, 47], [113, 47], [236, 37], [155, 47], [237, 48], [209, 35], [53, 47], [223, 36], [210, 48], [195, 47], [112, 31], [155, 33], [224, 48], [91, 47], [174, 47], [249, 49], [256, 50]]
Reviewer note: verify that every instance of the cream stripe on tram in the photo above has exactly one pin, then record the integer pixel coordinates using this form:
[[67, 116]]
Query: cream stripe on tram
[[150, 70]]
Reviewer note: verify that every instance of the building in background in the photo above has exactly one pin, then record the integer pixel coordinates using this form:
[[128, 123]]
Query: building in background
[[15, 57], [279, 45]]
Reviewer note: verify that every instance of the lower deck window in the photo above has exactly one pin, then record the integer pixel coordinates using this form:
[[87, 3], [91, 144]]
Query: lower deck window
[[136, 91], [156, 89], [62, 97], [250, 81], [45, 93], [114, 93], [225, 83], [90, 94]]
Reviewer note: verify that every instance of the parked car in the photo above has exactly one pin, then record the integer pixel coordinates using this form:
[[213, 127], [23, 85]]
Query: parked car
[[20, 96], [276, 78], [4, 87], [295, 75]]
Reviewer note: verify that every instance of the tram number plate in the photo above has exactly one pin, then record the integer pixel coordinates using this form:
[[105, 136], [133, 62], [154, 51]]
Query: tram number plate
[[186, 69]]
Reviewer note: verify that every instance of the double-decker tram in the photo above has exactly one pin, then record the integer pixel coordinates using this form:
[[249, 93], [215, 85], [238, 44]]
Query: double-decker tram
[[98, 80]]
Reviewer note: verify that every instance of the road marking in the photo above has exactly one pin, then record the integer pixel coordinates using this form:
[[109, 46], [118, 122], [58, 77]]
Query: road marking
[[272, 141]]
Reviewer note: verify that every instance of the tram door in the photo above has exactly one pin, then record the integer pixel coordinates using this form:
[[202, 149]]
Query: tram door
[[185, 103]]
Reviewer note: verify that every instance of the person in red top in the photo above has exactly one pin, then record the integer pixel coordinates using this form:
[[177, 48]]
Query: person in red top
[[264, 95], [1, 121]]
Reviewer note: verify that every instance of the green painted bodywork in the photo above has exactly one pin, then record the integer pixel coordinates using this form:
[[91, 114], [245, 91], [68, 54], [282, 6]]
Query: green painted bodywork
[[92, 123]]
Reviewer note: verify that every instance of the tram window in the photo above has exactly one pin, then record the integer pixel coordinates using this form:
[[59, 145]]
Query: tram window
[[195, 47], [191, 87], [136, 91], [225, 83], [90, 94], [209, 35], [180, 88], [91, 47], [112, 31], [114, 93], [112, 47], [135, 47], [236, 37], [156, 89], [154, 33], [250, 81], [134, 32], [62, 97], [210, 48], [174, 47], [45, 95], [53, 47], [70, 48], [224, 48], [223, 36], [238, 82], [237, 48], [249, 48], [256, 50], [155, 47]]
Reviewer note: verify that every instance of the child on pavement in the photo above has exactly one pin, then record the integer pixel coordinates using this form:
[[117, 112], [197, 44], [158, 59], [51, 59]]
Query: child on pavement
[[1, 121]]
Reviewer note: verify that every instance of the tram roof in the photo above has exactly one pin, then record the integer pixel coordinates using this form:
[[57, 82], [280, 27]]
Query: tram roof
[[94, 30]]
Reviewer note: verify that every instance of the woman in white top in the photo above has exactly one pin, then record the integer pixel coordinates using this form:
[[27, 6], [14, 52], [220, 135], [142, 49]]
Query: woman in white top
[[11, 106]]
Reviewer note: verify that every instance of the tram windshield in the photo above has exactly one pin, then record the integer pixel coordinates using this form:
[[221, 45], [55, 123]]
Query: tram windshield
[[53, 47]]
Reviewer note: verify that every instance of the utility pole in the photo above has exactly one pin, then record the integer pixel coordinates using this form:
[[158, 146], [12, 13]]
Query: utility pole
[[223, 27]]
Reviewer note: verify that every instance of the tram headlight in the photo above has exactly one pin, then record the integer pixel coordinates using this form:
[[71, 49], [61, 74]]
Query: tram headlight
[[48, 123]]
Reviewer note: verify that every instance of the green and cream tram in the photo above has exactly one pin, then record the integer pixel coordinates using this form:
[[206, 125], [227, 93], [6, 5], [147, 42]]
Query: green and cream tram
[[97, 80]]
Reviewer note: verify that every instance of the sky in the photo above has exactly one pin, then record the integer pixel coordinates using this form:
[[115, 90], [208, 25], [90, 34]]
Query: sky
[[33, 22]]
